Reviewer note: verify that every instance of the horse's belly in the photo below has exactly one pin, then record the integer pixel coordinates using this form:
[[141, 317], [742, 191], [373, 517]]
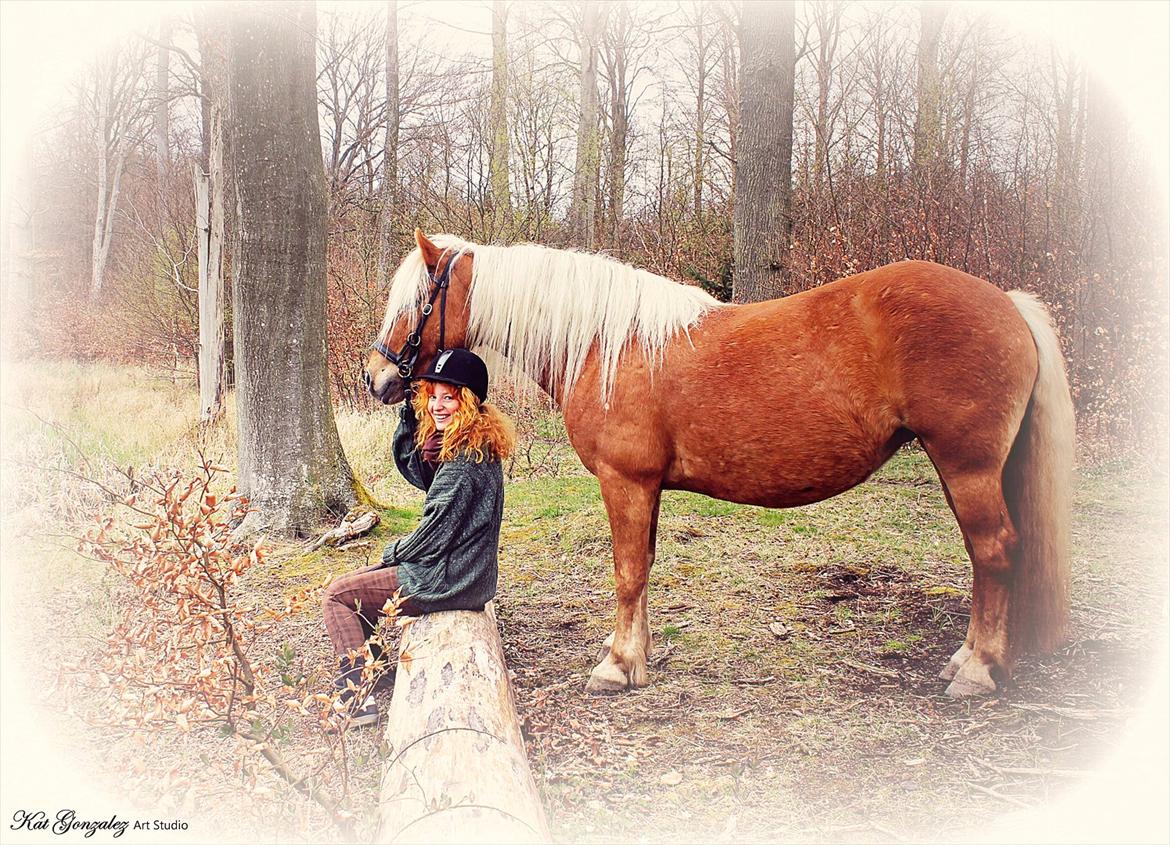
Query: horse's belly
[[776, 478]]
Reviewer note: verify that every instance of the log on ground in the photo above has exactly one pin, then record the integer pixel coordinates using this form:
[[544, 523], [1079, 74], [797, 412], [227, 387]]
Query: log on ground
[[457, 769]]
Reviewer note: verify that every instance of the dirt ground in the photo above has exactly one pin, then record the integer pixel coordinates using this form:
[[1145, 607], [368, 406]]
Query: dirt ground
[[794, 692], [838, 729]]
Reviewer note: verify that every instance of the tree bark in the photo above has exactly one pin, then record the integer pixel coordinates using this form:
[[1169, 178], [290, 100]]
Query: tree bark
[[583, 208], [501, 198], [617, 69], [291, 466], [763, 164], [457, 770], [702, 45], [928, 121], [389, 153], [162, 124], [210, 225], [828, 24], [110, 152]]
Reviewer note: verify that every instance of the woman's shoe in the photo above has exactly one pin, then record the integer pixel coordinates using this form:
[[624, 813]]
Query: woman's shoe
[[365, 715]]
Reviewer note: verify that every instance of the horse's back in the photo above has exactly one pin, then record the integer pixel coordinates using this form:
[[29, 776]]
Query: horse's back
[[794, 400]]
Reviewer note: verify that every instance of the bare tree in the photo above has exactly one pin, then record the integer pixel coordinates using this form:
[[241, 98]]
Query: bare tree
[[351, 57], [393, 120], [119, 116], [210, 178], [624, 41], [698, 67], [291, 466], [763, 164], [928, 121], [501, 198], [583, 210]]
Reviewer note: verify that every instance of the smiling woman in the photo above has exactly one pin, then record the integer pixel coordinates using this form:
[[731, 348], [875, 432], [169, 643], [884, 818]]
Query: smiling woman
[[450, 442]]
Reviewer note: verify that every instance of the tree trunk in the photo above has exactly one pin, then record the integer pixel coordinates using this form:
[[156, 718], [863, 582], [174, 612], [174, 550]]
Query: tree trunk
[[162, 126], [828, 23], [457, 770], [209, 213], [501, 199], [107, 206], [389, 153], [291, 466], [928, 121], [618, 70], [107, 183], [968, 121], [702, 43], [763, 163], [583, 209]]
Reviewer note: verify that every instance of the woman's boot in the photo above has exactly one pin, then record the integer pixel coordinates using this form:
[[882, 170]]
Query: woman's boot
[[351, 673]]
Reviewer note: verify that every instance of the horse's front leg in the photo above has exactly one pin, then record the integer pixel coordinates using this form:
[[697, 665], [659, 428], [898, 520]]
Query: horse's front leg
[[633, 513]]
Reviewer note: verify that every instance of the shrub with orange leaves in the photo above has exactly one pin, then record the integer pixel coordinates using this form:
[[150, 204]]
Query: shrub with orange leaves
[[183, 654]]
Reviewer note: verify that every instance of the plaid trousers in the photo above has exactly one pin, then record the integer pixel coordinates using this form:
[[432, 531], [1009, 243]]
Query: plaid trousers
[[352, 605]]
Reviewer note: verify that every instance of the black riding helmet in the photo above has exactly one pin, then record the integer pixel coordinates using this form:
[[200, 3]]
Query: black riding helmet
[[460, 367]]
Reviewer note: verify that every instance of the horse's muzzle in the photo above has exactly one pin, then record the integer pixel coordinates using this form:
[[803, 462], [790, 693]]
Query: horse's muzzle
[[387, 388]]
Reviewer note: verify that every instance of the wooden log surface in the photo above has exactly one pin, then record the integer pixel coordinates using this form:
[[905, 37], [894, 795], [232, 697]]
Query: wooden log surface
[[457, 770]]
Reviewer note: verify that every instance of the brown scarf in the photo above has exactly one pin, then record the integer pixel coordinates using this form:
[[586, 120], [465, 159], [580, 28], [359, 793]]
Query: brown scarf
[[431, 447]]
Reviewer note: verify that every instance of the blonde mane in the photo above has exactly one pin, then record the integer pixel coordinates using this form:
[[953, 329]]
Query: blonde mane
[[543, 309]]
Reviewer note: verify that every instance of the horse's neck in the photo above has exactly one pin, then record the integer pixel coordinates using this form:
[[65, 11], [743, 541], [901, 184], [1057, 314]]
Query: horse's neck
[[545, 379]]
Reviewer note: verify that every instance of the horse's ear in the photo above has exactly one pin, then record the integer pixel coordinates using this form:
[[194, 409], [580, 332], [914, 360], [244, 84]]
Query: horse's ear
[[430, 252]]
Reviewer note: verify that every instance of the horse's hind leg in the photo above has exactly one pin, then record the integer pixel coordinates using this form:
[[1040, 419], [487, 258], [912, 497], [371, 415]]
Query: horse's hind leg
[[964, 651], [633, 511], [985, 659]]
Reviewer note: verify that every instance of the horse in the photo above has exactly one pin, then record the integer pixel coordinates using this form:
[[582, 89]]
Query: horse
[[650, 375]]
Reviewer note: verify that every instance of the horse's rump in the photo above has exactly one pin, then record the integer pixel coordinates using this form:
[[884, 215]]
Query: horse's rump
[[791, 401]]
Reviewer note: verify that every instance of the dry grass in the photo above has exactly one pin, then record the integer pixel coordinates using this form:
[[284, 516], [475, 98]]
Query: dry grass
[[836, 730]]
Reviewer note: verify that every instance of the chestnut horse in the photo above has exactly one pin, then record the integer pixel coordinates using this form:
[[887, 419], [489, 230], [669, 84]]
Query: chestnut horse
[[648, 373]]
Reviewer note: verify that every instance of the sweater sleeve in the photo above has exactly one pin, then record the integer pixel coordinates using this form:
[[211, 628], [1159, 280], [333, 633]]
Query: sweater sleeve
[[407, 456], [450, 502]]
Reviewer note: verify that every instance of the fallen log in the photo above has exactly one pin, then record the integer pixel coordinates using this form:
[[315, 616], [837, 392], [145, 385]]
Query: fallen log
[[355, 523], [457, 770]]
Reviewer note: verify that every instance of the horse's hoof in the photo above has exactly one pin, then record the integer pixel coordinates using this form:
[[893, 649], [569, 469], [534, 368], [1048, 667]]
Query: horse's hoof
[[955, 663], [972, 680], [603, 652], [606, 679]]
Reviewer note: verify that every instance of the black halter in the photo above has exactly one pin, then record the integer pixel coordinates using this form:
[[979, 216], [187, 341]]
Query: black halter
[[408, 356]]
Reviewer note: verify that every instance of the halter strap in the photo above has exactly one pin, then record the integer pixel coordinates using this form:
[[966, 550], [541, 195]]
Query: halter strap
[[406, 358]]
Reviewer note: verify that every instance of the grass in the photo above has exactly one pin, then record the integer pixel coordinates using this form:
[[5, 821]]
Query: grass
[[762, 726]]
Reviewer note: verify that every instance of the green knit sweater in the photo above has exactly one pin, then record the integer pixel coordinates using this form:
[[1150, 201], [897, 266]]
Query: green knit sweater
[[449, 561]]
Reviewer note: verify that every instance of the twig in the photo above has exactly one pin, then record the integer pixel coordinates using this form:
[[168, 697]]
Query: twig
[[873, 670], [989, 791], [880, 828], [1060, 773], [1067, 712]]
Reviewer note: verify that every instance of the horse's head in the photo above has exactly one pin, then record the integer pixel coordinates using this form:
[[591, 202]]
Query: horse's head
[[426, 311]]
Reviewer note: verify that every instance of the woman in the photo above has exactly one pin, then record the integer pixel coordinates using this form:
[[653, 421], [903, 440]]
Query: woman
[[450, 443]]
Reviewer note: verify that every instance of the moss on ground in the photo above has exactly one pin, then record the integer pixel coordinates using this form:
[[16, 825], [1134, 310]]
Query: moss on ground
[[796, 729]]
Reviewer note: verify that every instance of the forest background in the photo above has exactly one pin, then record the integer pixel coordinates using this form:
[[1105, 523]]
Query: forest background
[[1048, 171], [1012, 158]]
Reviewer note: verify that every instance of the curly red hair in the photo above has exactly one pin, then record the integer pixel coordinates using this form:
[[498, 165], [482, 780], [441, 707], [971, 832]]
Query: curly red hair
[[477, 427]]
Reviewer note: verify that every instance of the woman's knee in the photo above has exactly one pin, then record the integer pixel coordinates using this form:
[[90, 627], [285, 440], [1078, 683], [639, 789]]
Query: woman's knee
[[334, 593]]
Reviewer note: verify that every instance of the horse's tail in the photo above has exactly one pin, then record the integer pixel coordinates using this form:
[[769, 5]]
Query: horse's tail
[[1037, 481]]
